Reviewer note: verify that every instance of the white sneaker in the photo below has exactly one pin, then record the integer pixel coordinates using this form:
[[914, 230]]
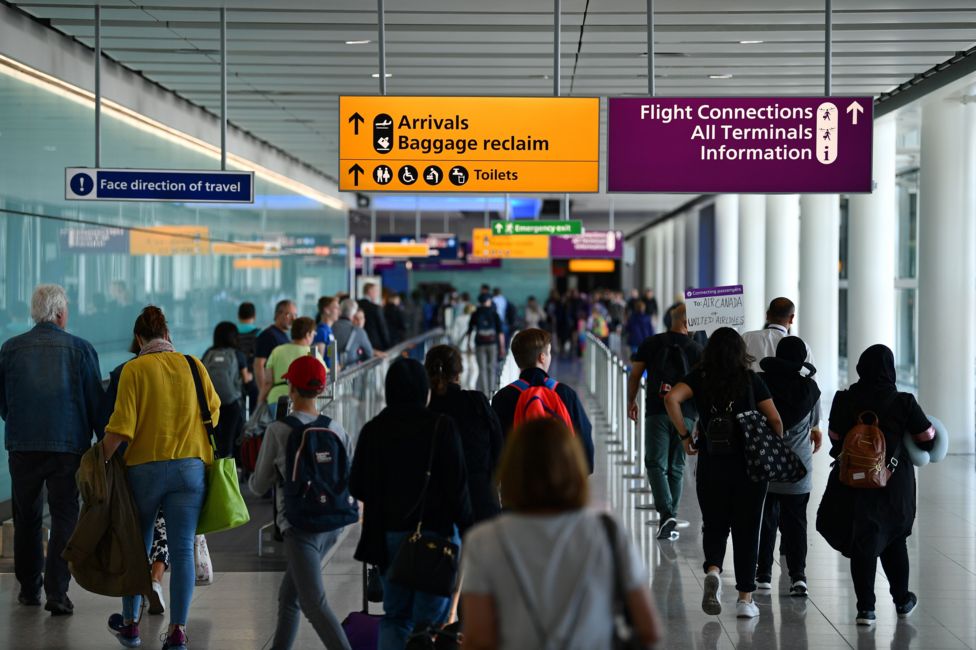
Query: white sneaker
[[764, 586], [745, 609], [798, 589], [711, 599], [157, 604]]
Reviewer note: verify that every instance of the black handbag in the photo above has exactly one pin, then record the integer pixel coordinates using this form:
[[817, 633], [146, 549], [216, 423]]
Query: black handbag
[[767, 456], [426, 562]]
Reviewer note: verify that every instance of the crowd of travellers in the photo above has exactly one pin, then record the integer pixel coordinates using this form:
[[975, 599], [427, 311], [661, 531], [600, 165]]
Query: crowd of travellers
[[490, 472]]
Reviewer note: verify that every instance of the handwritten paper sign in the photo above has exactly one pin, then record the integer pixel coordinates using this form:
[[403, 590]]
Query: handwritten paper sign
[[713, 307]]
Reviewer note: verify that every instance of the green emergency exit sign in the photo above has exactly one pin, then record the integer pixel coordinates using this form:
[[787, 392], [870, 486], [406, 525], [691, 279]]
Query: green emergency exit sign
[[572, 227]]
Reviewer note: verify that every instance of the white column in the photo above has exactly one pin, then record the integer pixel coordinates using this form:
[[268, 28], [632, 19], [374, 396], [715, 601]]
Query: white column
[[817, 307], [680, 272], [947, 269], [726, 239], [659, 268], [691, 249], [647, 250], [668, 230], [752, 258], [782, 246], [871, 253]]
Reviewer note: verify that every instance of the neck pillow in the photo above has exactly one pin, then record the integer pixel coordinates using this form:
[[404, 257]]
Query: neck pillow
[[940, 448]]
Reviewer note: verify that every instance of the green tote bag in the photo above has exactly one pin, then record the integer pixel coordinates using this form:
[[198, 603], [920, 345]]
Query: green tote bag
[[223, 506]]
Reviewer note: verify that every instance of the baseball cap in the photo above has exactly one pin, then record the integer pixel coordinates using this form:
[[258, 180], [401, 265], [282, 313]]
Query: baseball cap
[[306, 373]]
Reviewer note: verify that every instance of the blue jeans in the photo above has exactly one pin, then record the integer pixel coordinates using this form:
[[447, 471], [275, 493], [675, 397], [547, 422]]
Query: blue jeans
[[179, 487], [405, 609], [302, 589]]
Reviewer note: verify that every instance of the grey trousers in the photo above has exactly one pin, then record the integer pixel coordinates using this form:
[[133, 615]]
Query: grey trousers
[[487, 356]]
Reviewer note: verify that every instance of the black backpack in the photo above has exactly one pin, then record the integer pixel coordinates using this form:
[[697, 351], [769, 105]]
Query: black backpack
[[485, 330], [670, 366], [316, 485], [247, 343]]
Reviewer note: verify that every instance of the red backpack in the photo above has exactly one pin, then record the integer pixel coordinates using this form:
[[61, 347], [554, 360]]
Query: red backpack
[[536, 402]]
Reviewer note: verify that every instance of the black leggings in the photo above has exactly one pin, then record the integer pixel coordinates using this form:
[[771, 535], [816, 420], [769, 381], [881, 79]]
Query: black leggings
[[729, 501], [894, 561]]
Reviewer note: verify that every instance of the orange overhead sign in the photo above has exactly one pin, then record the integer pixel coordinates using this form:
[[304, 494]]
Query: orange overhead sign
[[489, 246], [592, 266], [244, 248], [170, 240], [257, 263], [469, 144], [394, 249]]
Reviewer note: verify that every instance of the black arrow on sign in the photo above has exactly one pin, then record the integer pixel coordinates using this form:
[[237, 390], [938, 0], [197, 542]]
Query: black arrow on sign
[[356, 120], [356, 170]]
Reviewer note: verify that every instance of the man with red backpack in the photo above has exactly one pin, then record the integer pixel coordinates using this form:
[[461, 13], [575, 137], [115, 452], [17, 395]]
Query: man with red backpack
[[535, 394]]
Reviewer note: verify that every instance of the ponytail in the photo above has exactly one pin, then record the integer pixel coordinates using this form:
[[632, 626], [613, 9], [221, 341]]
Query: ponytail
[[443, 365]]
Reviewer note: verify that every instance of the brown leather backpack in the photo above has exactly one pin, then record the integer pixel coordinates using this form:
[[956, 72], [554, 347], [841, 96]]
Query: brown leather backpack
[[863, 458]]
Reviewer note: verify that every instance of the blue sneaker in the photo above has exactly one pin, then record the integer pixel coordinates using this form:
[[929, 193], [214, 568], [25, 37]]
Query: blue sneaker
[[907, 609], [865, 617], [128, 635]]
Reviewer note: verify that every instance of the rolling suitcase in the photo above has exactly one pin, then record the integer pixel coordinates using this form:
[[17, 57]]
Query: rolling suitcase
[[362, 628]]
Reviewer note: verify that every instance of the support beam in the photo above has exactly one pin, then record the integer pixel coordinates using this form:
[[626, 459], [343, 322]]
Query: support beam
[[947, 268], [752, 258], [726, 239]]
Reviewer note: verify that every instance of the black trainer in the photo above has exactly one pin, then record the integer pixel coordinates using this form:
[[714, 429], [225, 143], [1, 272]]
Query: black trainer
[[63, 607], [667, 527], [865, 618], [28, 600], [906, 610]]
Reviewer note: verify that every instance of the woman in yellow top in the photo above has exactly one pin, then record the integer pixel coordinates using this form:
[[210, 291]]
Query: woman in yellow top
[[157, 414], [302, 335]]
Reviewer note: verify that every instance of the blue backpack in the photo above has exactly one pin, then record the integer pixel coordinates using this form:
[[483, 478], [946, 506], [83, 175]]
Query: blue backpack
[[316, 486]]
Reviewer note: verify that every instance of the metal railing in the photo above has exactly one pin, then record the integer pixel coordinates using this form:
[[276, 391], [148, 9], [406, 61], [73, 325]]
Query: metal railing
[[606, 375], [358, 393]]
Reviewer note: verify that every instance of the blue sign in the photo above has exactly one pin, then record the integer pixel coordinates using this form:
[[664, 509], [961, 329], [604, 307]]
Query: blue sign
[[187, 186]]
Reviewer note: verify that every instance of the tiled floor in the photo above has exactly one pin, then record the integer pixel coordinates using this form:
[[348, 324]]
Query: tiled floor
[[238, 610]]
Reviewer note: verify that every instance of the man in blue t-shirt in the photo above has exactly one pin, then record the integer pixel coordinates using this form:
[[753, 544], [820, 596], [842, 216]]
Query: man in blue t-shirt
[[328, 314], [273, 336]]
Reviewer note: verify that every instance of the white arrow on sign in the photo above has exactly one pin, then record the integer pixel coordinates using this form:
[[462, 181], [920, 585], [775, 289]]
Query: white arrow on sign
[[854, 108]]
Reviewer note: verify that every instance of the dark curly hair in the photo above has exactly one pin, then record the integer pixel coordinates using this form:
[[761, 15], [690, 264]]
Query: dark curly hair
[[725, 367]]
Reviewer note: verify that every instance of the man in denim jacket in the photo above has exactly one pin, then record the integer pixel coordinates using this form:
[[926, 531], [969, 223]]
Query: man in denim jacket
[[50, 396]]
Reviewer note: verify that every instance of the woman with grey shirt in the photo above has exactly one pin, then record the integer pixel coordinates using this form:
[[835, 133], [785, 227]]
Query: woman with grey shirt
[[301, 587], [789, 378]]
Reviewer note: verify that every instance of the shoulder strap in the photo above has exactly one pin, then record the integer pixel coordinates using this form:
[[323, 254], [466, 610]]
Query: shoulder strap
[[293, 422], [422, 500], [551, 383], [202, 401], [619, 593], [520, 385]]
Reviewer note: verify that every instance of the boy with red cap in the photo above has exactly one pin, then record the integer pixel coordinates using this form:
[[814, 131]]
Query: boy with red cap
[[301, 588]]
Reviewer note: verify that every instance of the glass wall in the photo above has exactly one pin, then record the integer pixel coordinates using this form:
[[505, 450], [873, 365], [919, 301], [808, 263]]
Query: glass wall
[[115, 257]]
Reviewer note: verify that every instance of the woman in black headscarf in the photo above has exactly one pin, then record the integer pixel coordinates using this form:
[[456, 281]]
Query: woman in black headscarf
[[387, 475], [867, 524], [796, 396]]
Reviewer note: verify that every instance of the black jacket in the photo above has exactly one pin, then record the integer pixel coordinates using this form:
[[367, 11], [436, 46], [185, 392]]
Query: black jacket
[[376, 330], [505, 400], [387, 475], [481, 441], [396, 323]]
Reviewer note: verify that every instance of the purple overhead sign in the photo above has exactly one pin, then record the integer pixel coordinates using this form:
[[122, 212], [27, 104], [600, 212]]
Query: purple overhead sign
[[602, 244], [740, 144]]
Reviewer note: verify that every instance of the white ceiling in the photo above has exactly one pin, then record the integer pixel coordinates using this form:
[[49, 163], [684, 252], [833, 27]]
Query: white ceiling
[[288, 61]]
